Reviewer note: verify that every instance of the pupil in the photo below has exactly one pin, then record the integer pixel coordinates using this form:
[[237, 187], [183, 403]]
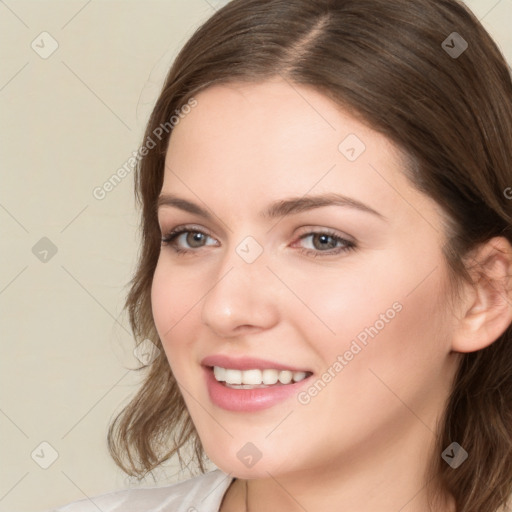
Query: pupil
[[324, 241], [196, 239]]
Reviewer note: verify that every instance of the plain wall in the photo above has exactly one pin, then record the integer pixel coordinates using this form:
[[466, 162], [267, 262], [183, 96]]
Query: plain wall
[[69, 122]]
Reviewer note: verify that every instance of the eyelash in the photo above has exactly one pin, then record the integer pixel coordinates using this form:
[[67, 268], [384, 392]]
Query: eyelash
[[169, 239]]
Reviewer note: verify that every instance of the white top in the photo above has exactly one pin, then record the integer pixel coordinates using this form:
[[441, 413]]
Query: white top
[[202, 493]]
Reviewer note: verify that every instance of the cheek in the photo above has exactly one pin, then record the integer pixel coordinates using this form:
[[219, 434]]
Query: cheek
[[396, 370], [162, 303], [174, 301], [389, 323], [393, 352], [339, 304], [396, 293]]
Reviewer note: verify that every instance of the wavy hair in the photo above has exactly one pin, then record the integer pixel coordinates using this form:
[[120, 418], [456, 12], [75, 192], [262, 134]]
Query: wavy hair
[[385, 62]]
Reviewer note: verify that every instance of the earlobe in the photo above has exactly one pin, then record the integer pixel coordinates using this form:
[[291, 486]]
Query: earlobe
[[488, 304]]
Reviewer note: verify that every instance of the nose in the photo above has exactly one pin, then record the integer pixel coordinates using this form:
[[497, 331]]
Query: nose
[[244, 297]]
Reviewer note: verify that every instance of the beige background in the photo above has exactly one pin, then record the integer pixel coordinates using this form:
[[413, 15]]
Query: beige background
[[69, 122]]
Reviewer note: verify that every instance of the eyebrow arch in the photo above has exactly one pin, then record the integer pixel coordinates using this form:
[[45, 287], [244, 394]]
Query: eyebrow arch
[[279, 208], [300, 204]]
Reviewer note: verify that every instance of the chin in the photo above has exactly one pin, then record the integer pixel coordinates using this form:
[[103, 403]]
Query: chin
[[245, 465]]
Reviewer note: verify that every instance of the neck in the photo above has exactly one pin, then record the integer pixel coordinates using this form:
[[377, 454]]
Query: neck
[[260, 496], [394, 480]]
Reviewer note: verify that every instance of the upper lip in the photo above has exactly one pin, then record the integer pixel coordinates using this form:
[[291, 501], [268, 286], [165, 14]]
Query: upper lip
[[247, 363]]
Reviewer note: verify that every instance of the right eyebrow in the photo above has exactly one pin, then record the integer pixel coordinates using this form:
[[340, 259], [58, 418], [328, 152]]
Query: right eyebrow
[[182, 204]]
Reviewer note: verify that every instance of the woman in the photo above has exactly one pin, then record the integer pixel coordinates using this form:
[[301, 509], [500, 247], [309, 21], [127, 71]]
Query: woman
[[325, 192]]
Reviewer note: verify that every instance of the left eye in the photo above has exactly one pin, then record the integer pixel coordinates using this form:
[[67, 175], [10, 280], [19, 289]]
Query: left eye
[[325, 242]]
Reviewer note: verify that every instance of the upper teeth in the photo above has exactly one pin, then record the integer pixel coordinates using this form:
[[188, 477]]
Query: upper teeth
[[255, 377]]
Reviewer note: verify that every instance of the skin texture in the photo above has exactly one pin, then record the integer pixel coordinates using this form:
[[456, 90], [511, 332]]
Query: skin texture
[[365, 439]]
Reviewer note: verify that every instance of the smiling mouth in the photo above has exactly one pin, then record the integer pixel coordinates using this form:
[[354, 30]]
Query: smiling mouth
[[256, 378]]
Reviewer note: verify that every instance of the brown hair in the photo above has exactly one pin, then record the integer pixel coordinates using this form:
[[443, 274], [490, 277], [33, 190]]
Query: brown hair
[[384, 61]]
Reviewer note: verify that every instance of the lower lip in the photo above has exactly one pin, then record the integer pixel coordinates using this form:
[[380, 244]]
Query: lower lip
[[248, 400]]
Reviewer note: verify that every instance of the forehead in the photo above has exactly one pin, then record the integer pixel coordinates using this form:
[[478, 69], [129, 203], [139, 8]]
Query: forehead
[[259, 142], [273, 122]]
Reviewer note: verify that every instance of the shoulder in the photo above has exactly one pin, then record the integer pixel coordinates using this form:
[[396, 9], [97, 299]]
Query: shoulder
[[202, 493]]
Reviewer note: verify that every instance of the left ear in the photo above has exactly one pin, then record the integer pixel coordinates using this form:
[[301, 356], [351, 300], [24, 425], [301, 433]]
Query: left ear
[[487, 304]]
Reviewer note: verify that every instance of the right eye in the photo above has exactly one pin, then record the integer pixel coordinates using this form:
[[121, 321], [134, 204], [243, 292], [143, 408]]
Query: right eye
[[185, 240]]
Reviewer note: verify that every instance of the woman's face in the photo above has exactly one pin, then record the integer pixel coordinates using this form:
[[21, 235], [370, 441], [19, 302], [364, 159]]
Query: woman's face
[[309, 251]]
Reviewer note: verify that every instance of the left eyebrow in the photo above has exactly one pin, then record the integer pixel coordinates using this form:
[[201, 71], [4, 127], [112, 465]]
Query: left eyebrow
[[300, 204]]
